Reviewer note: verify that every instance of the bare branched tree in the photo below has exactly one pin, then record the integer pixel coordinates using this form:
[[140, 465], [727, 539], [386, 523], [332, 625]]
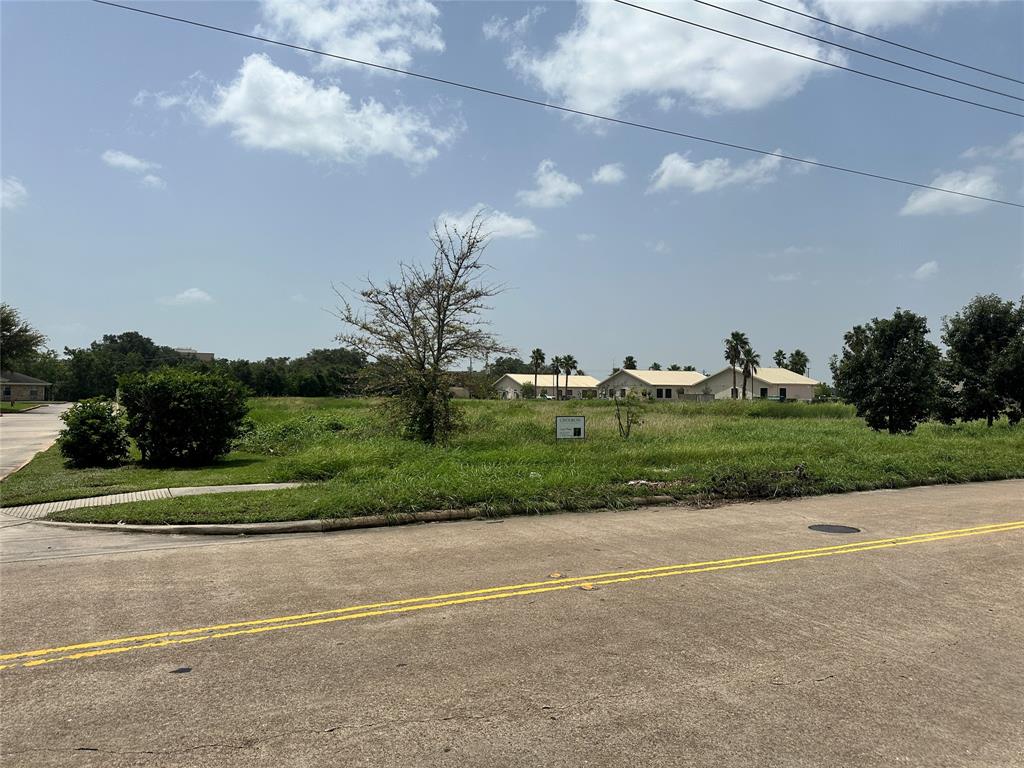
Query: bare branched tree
[[416, 327]]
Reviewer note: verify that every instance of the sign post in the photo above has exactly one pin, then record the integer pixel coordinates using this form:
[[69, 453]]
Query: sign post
[[570, 427]]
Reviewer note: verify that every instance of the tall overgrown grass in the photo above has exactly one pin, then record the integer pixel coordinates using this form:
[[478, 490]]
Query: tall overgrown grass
[[507, 460]]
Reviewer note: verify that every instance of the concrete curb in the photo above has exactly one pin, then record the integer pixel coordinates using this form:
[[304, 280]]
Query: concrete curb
[[312, 526]]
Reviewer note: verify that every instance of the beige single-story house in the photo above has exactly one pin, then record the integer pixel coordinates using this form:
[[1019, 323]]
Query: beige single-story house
[[510, 386], [18, 386], [658, 385], [767, 384]]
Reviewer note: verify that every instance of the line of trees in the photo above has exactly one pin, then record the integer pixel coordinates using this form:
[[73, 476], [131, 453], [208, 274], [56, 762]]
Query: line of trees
[[94, 371], [897, 377]]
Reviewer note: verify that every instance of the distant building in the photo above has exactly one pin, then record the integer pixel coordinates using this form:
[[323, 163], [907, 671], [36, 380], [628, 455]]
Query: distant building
[[18, 386], [658, 385], [510, 386], [767, 384], [206, 357]]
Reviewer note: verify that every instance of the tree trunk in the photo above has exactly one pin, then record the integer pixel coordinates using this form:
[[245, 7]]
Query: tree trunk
[[733, 393]]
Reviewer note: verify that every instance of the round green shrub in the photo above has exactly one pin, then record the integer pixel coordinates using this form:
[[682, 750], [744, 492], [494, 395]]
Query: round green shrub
[[180, 417], [94, 435]]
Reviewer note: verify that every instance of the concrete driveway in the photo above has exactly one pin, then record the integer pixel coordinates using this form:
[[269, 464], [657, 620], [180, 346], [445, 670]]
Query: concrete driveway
[[661, 637], [23, 435]]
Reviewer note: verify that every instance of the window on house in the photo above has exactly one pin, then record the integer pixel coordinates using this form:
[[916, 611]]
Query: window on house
[[659, 393], [668, 394], [622, 393], [764, 393], [7, 391], [782, 393]]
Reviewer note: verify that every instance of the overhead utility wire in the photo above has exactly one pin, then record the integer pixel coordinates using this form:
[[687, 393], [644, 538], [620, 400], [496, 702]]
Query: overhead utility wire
[[834, 44], [892, 42], [820, 61], [561, 108]]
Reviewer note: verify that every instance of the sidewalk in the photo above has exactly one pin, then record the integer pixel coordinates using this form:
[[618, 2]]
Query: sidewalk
[[34, 511]]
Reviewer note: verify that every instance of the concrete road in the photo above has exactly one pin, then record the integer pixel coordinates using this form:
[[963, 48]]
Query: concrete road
[[725, 637], [23, 435]]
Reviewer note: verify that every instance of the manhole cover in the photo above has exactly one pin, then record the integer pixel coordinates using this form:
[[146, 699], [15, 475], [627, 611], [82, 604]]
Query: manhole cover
[[828, 528]]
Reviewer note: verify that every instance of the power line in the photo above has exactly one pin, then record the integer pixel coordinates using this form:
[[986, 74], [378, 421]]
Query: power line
[[821, 61], [892, 42], [826, 41], [560, 107]]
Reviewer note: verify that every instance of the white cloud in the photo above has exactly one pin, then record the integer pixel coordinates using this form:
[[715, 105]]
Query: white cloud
[[125, 162], [877, 14], [12, 193], [586, 237], [802, 250], [980, 181], [679, 171], [188, 296], [660, 247], [610, 173], [152, 181], [501, 28], [785, 277], [614, 53], [926, 271], [554, 189], [1011, 150], [385, 32], [496, 223], [267, 107], [666, 103]]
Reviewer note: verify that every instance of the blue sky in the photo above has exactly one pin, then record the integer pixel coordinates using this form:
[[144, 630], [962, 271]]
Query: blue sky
[[208, 190]]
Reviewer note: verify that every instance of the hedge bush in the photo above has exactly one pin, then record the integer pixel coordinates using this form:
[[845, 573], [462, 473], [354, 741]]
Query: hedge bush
[[180, 417], [94, 435]]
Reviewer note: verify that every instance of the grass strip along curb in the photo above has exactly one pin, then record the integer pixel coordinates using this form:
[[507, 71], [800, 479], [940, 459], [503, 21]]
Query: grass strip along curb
[[315, 526]]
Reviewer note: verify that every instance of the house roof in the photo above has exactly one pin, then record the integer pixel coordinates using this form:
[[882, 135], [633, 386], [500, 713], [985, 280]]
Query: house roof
[[781, 376], [12, 377], [548, 380], [662, 378]]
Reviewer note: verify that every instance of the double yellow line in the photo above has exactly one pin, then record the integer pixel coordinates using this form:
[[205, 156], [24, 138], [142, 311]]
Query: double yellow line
[[44, 656]]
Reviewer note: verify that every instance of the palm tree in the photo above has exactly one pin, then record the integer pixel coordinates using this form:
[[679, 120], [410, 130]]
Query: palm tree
[[734, 346], [798, 362], [674, 367], [751, 361], [780, 358], [655, 366], [536, 362], [629, 363], [556, 369], [569, 364]]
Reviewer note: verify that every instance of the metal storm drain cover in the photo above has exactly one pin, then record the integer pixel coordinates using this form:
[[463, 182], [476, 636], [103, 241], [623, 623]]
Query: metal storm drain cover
[[829, 528]]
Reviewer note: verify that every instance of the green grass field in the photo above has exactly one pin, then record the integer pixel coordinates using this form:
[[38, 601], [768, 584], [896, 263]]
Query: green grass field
[[18, 407], [507, 461]]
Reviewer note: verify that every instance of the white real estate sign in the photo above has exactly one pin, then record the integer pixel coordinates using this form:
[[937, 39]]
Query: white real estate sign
[[570, 427]]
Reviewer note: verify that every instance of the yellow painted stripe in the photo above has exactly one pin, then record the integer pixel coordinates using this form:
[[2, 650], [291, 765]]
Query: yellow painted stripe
[[498, 593], [489, 590], [541, 589]]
